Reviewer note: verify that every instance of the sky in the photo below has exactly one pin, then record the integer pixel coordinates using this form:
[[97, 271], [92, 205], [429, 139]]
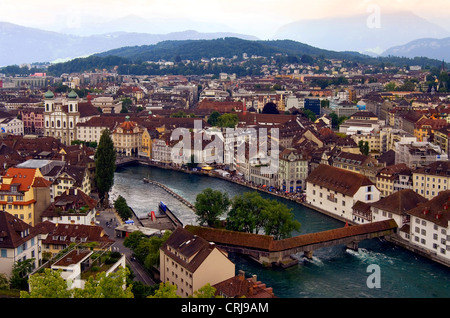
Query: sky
[[257, 17]]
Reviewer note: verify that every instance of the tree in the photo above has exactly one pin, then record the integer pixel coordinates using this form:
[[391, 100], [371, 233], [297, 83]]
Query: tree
[[48, 284], [106, 286], [20, 271], [364, 147], [214, 118], [122, 208], [206, 291], [166, 290], [245, 213], [253, 214], [210, 205], [279, 220], [105, 166], [228, 120], [270, 108]]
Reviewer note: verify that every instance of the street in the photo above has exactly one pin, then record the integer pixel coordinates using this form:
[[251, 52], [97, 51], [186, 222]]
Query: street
[[139, 271]]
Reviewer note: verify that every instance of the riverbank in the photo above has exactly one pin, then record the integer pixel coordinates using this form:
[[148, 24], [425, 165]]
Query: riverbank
[[297, 198]]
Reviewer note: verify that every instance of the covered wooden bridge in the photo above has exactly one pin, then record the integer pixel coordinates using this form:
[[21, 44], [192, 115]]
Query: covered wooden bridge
[[266, 250]]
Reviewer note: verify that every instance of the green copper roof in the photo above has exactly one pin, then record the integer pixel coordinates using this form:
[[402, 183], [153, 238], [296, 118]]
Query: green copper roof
[[49, 94], [72, 94]]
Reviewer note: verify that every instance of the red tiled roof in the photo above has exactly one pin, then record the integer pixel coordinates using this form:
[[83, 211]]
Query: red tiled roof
[[336, 179]]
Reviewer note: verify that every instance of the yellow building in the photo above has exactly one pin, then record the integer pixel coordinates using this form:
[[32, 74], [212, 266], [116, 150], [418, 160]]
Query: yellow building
[[190, 262], [25, 194], [127, 138]]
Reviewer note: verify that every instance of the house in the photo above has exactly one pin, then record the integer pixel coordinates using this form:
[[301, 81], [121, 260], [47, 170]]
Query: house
[[76, 263], [190, 262], [239, 286], [335, 191], [72, 177], [429, 226], [396, 206], [24, 193], [72, 207], [394, 178], [56, 237], [18, 242]]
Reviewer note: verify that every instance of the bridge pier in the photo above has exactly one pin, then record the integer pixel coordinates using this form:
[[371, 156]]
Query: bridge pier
[[308, 254], [353, 246]]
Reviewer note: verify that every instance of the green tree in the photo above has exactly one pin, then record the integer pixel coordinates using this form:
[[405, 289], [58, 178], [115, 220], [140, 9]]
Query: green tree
[[228, 121], [270, 108], [106, 286], [364, 147], [122, 208], [105, 166], [20, 271], [48, 284], [245, 214], [280, 221], [206, 291], [210, 205], [253, 214], [214, 118], [165, 290]]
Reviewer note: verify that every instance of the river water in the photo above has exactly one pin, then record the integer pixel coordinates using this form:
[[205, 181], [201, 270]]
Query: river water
[[332, 273]]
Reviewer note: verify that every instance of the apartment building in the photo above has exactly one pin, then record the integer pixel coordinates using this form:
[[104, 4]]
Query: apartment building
[[190, 262], [430, 226], [293, 170], [431, 179], [18, 242], [396, 206], [394, 178], [127, 138], [25, 194], [336, 191], [418, 154]]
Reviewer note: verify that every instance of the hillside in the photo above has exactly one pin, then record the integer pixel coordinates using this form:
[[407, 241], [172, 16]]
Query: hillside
[[133, 59], [223, 47]]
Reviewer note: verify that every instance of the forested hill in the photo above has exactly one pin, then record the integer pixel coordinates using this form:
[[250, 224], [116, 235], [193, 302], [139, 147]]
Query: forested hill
[[135, 59], [224, 47]]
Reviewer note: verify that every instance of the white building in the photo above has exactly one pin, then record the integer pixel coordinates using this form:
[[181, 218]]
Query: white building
[[11, 125], [336, 191], [429, 226]]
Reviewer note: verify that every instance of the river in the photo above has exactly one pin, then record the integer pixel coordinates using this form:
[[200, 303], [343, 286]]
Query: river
[[332, 273]]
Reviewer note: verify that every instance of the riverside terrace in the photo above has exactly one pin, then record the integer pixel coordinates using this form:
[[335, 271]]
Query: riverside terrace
[[265, 250]]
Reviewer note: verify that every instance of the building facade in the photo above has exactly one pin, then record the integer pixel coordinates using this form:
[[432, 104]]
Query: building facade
[[61, 117], [190, 262]]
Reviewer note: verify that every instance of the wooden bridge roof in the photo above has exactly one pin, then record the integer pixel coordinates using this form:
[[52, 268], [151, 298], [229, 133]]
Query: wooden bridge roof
[[267, 242]]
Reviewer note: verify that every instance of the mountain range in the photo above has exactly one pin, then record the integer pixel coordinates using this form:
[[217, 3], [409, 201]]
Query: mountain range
[[361, 33], [397, 33], [21, 45], [433, 48]]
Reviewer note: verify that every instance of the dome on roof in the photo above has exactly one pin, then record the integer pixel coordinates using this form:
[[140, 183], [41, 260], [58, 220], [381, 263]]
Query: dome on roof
[[49, 94], [72, 94]]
